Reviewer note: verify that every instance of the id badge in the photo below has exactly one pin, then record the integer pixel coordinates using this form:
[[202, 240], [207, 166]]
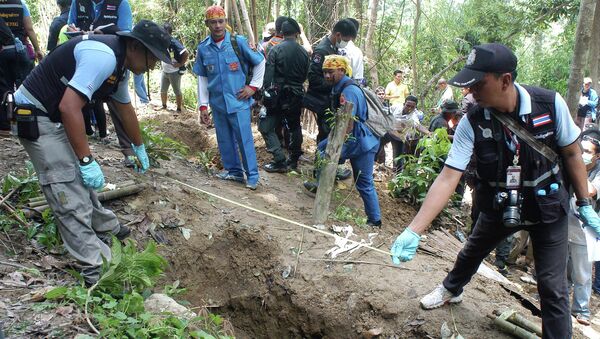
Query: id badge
[[513, 177]]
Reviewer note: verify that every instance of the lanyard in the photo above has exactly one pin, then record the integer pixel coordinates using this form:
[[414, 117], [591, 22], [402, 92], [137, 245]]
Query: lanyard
[[515, 141]]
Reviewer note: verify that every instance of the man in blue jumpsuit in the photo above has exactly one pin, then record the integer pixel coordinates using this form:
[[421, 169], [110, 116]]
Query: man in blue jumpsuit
[[506, 164], [362, 145], [51, 129], [222, 70]]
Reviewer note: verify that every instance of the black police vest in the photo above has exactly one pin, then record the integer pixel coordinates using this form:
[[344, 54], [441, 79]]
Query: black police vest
[[48, 81], [107, 15], [12, 13], [493, 157]]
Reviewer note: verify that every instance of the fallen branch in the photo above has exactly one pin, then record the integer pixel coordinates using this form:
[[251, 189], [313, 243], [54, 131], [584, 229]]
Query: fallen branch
[[6, 263], [87, 300], [298, 254]]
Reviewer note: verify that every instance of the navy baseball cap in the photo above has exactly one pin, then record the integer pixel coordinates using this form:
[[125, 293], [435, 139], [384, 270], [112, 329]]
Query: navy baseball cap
[[486, 58]]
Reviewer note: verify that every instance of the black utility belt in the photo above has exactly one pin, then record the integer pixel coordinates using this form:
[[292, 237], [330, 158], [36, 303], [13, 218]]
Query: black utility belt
[[26, 119]]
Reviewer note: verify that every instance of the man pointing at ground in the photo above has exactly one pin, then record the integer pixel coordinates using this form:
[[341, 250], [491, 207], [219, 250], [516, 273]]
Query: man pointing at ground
[[519, 187]]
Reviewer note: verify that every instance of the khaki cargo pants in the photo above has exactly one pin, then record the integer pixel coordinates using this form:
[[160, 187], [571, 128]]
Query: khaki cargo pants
[[78, 213]]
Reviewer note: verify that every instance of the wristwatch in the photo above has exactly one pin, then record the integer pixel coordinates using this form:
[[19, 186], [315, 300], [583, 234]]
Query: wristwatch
[[86, 160], [583, 202]]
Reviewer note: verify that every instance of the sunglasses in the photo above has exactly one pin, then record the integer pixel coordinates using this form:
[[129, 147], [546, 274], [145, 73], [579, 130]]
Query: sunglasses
[[590, 139]]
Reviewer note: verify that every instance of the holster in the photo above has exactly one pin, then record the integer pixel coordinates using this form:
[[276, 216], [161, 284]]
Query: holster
[[27, 124]]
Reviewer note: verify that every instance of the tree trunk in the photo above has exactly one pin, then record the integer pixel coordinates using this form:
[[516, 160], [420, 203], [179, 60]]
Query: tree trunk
[[276, 9], [323, 14], [373, 4], [236, 14], [254, 24], [582, 44], [246, 22], [332, 155], [414, 47], [594, 57], [268, 17]]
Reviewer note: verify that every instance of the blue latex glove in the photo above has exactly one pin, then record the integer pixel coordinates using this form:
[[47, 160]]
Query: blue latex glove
[[92, 175], [590, 218], [405, 246], [140, 153]]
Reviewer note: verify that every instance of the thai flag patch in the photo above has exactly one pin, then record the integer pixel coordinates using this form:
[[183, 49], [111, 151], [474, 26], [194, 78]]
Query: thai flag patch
[[111, 7], [542, 120]]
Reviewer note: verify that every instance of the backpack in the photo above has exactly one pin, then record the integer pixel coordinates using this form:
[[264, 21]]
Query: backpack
[[379, 120], [6, 36], [236, 48]]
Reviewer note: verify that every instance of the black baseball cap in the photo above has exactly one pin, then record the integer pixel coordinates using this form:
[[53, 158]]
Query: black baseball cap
[[486, 58], [153, 36], [290, 26], [449, 106]]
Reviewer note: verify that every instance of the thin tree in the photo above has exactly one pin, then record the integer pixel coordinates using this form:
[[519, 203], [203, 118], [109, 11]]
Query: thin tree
[[373, 4], [246, 22], [594, 54], [414, 46], [582, 44]]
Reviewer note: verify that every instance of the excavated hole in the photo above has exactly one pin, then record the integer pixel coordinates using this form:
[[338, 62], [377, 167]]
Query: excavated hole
[[238, 275]]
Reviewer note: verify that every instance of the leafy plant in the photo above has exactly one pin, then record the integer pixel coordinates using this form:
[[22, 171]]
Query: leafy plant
[[345, 213], [206, 159], [27, 184], [117, 301], [47, 233], [419, 172], [158, 145]]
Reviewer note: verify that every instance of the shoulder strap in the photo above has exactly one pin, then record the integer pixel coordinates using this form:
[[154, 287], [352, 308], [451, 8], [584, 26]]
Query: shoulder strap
[[238, 52], [524, 134]]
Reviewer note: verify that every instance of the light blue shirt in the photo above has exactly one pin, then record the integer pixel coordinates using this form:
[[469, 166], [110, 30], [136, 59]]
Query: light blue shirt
[[94, 63], [363, 140], [225, 72], [26, 12], [567, 131], [124, 16]]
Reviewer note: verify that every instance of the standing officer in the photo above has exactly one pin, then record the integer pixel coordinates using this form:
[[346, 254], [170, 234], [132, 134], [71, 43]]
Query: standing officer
[[56, 27], [506, 164], [287, 66], [51, 129], [317, 95], [362, 145], [222, 64]]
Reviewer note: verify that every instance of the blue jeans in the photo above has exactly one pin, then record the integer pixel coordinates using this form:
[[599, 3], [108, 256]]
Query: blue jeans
[[234, 137], [362, 169], [140, 88], [580, 278]]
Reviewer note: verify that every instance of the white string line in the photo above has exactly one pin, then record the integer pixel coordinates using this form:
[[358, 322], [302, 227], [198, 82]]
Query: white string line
[[276, 216]]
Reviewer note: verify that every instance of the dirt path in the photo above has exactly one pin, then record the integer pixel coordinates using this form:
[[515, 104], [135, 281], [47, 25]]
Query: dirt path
[[246, 266]]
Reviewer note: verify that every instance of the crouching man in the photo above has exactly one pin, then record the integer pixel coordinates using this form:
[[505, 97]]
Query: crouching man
[[51, 128], [362, 145]]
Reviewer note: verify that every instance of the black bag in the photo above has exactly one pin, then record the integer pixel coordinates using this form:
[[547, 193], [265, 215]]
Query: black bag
[[6, 36], [315, 102], [270, 97]]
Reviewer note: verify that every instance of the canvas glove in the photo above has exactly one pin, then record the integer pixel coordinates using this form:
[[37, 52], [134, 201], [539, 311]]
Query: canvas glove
[[590, 218], [142, 156], [92, 175], [405, 246]]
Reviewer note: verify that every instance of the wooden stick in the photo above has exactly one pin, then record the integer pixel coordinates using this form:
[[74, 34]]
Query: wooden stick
[[7, 196], [358, 262], [298, 254], [6, 263], [327, 173]]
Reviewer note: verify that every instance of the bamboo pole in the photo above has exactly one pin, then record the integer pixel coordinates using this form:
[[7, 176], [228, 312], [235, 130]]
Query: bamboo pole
[[335, 142], [246, 22], [103, 196], [236, 15]]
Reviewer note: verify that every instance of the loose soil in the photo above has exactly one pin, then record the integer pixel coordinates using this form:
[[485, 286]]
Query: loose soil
[[246, 266]]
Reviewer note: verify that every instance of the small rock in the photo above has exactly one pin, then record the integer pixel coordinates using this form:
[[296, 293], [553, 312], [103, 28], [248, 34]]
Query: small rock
[[348, 267], [161, 171], [372, 333], [159, 303], [286, 271], [16, 276], [257, 273], [64, 310], [187, 233]]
